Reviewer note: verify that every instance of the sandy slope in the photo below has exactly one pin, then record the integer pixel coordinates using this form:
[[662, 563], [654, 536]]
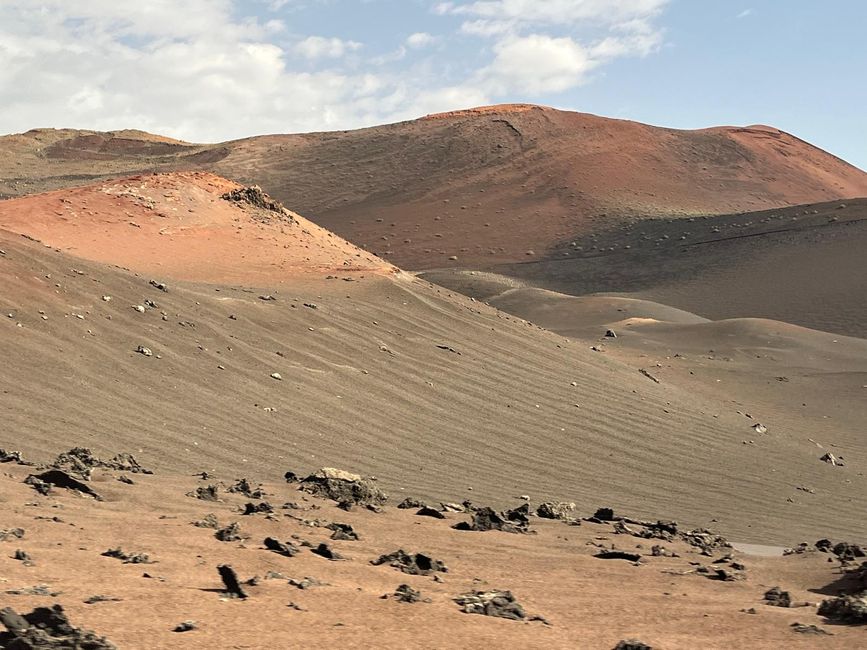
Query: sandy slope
[[807, 387], [386, 375], [589, 603], [803, 265]]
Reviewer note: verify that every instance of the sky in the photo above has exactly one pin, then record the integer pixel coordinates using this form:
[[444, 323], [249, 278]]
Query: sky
[[213, 70]]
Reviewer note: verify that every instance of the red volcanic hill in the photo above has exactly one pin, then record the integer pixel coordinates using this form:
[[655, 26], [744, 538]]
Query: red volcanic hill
[[189, 225], [486, 185]]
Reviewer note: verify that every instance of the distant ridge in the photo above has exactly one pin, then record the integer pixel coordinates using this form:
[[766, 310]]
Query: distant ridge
[[472, 187]]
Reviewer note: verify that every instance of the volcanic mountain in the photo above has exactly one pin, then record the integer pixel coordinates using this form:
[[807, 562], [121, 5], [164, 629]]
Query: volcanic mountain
[[470, 188]]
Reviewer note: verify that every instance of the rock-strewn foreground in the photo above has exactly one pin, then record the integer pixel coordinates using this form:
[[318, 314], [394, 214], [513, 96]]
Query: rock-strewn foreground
[[169, 341], [158, 584], [441, 396]]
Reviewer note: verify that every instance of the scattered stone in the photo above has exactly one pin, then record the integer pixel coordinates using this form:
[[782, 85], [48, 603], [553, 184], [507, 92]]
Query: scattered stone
[[406, 594], [760, 428], [11, 533], [501, 604], [36, 590], [324, 550], [306, 583], [561, 510], [128, 558], [847, 552], [208, 521], [777, 597], [229, 533], [342, 532], [417, 564], [632, 644], [159, 285], [254, 196], [602, 515], [425, 511], [101, 598], [845, 609], [12, 457], [801, 628], [258, 508], [243, 486], [704, 539], [660, 551], [510, 521], [81, 460], [618, 555], [185, 626], [281, 548], [291, 477], [648, 375], [144, 351], [230, 581], [343, 487], [831, 459], [622, 529], [23, 556], [123, 478], [267, 298], [824, 545], [277, 376], [801, 548], [46, 627], [54, 477], [610, 334], [205, 493]]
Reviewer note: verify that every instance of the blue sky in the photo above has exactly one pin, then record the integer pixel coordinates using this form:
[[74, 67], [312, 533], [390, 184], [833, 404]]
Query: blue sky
[[207, 70]]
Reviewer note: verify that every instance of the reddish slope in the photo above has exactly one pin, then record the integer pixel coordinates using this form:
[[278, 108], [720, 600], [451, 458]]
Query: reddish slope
[[493, 184], [484, 185], [182, 226]]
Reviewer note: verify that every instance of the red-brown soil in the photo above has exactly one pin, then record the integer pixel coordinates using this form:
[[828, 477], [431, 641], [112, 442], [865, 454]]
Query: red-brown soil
[[589, 603], [179, 225], [495, 184]]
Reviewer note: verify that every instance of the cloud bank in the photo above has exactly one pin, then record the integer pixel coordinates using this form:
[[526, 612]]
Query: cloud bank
[[209, 70]]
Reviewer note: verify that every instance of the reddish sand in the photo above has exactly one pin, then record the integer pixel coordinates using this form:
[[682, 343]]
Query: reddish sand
[[177, 225], [589, 603]]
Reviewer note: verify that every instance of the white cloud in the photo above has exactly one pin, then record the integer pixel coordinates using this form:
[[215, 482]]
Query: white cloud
[[530, 61], [487, 27], [555, 11], [536, 64], [745, 13], [420, 40], [201, 71], [318, 47]]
